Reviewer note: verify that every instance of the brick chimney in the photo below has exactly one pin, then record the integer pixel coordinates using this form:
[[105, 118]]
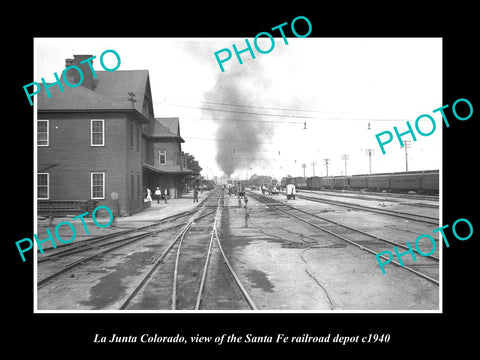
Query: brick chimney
[[74, 77]]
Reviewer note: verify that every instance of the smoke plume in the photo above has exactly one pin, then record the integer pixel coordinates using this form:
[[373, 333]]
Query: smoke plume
[[241, 134]]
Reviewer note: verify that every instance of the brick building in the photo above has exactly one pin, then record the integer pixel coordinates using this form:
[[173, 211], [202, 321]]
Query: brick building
[[163, 161], [100, 140]]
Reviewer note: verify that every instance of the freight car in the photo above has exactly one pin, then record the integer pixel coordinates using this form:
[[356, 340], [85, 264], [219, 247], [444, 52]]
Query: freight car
[[418, 181], [300, 182]]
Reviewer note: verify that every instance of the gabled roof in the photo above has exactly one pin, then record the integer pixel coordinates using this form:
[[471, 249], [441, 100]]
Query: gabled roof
[[110, 93], [159, 128], [171, 124], [117, 84]]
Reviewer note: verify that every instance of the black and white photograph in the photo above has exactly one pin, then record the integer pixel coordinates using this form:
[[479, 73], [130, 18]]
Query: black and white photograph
[[279, 174]]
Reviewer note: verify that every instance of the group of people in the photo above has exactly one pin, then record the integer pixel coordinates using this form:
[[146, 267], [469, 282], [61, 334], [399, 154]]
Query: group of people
[[159, 194]]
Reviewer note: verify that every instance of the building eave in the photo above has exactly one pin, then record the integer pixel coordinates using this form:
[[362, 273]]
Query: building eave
[[184, 171], [132, 112]]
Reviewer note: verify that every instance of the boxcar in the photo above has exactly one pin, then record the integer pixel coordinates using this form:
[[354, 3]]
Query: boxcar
[[338, 182], [300, 182], [327, 182], [314, 183]]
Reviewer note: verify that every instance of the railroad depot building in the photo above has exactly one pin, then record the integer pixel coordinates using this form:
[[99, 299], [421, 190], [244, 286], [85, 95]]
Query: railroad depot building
[[100, 142]]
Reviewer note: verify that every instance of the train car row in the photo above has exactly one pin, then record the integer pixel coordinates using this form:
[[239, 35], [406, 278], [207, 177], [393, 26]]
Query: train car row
[[424, 182]]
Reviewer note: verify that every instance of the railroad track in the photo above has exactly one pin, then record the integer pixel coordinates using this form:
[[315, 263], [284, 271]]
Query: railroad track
[[190, 272], [102, 240], [178, 279], [353, 193], [425, 267], [399, 214], [372, 196], [74, 255]]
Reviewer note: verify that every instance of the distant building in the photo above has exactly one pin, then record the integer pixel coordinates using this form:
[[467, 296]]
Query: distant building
[[101, 139]]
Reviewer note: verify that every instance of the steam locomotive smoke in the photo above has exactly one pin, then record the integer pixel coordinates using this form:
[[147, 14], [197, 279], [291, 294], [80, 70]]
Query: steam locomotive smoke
[[239, 139]]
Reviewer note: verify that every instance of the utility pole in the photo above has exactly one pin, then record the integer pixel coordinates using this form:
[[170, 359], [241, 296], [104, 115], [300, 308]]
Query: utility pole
[[131, 98], [369, 152], [326, 162], [345, 157], [313, 166], [406, 144], [304, 167]]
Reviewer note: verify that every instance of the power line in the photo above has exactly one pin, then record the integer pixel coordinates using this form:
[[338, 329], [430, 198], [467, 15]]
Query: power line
[[244, 120], [265, 107], [238, 112], [253, 158], [274, 115], [228, 140]]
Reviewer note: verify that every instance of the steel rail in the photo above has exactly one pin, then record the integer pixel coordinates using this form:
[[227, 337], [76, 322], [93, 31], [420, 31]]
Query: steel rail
[[234, 274], [362, 232], [142, 282], [74, 248], [175, 272], [235, 277], [207, 260], [123, 242], [345, 193], [427, 219], [79, 262], [351, 242], [152, 269]]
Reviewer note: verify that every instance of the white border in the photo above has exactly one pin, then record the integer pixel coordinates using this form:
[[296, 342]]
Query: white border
[[246, 312]]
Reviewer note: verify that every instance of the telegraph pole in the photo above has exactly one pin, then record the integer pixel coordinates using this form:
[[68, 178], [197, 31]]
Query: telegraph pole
[[369, 152], [131, 98], [313, 166], [304, 167], [326, 162], [345, 157], [406, 144]]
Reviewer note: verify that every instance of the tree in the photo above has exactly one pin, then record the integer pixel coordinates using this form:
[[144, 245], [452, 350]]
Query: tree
[[260, 179], [191, 163]]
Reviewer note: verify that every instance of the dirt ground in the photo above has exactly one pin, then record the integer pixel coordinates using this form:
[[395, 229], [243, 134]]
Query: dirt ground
[[285, 265], [289, 265]]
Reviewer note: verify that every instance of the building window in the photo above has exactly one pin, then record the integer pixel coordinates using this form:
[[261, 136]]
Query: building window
[[162, 157], [43, 185], [133, 184], [42, 132], [97, 133], [98, 185], [138, 139], [139, 190], [131, 136]]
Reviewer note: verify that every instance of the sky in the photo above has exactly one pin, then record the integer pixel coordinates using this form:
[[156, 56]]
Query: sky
[[303, 102]]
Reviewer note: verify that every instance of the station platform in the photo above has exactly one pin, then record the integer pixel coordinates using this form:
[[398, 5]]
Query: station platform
[[156, 212]]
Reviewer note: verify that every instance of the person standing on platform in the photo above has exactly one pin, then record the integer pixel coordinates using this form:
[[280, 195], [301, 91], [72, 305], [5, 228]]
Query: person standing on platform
[[165, 195], [195, 195], [158, 194]]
